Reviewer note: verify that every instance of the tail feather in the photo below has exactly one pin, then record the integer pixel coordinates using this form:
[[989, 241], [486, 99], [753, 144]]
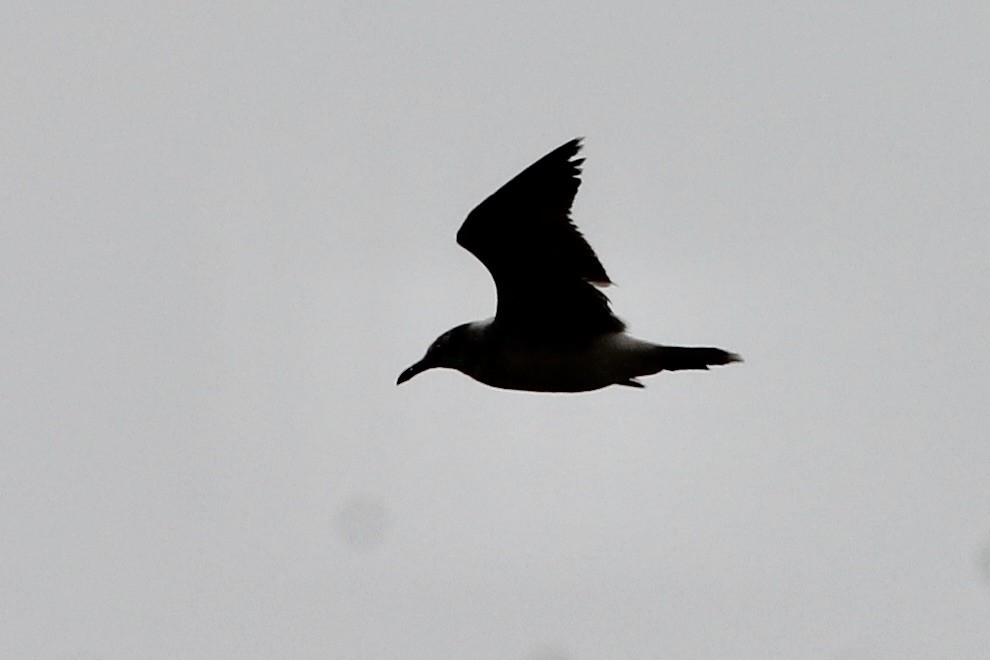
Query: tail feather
[[676, 358]]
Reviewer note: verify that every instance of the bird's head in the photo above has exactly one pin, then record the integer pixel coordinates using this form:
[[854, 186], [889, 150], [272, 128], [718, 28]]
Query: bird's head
[[451, 350]]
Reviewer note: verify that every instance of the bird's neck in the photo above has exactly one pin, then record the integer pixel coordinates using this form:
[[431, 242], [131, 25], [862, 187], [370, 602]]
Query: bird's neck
[[474, 345]]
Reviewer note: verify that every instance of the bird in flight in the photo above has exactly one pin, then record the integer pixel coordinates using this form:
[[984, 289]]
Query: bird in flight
[[553, 329]]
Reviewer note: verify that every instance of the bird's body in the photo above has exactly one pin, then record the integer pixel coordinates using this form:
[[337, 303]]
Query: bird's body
[[575, 366], [513, 361], [553, 330]]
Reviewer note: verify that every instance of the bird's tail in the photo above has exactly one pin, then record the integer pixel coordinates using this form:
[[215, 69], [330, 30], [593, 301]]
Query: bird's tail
[[676, 358]]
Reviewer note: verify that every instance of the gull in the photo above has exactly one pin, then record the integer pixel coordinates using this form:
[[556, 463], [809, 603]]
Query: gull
[[553, 329]]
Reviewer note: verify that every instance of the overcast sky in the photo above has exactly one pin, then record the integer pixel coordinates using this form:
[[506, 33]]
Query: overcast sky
[[226, 229]]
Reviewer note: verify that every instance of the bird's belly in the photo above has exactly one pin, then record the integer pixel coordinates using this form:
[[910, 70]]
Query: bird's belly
[[578, 368]]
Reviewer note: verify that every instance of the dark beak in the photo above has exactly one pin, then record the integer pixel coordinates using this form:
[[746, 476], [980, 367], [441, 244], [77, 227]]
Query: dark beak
[[417, 368]]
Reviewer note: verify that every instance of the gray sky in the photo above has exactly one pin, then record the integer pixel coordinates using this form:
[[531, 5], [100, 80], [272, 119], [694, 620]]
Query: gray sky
[[226, 230]]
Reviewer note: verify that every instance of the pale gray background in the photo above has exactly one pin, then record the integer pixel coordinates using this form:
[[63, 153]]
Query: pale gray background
[[227, 228]]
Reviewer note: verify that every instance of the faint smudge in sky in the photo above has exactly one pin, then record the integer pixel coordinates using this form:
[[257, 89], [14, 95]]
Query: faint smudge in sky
[[984, 562], [362, 521]]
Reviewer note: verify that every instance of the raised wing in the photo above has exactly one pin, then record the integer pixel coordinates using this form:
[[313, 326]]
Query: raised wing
[[544, 269]]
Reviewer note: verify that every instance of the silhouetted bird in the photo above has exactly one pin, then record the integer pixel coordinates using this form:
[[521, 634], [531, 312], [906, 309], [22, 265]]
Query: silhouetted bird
[[553, 330]]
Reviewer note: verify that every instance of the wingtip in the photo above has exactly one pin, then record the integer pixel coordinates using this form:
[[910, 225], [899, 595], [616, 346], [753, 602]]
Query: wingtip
[[574, 144]]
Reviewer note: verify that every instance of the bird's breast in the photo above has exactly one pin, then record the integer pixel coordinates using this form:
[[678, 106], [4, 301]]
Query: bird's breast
[[565, 366]]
